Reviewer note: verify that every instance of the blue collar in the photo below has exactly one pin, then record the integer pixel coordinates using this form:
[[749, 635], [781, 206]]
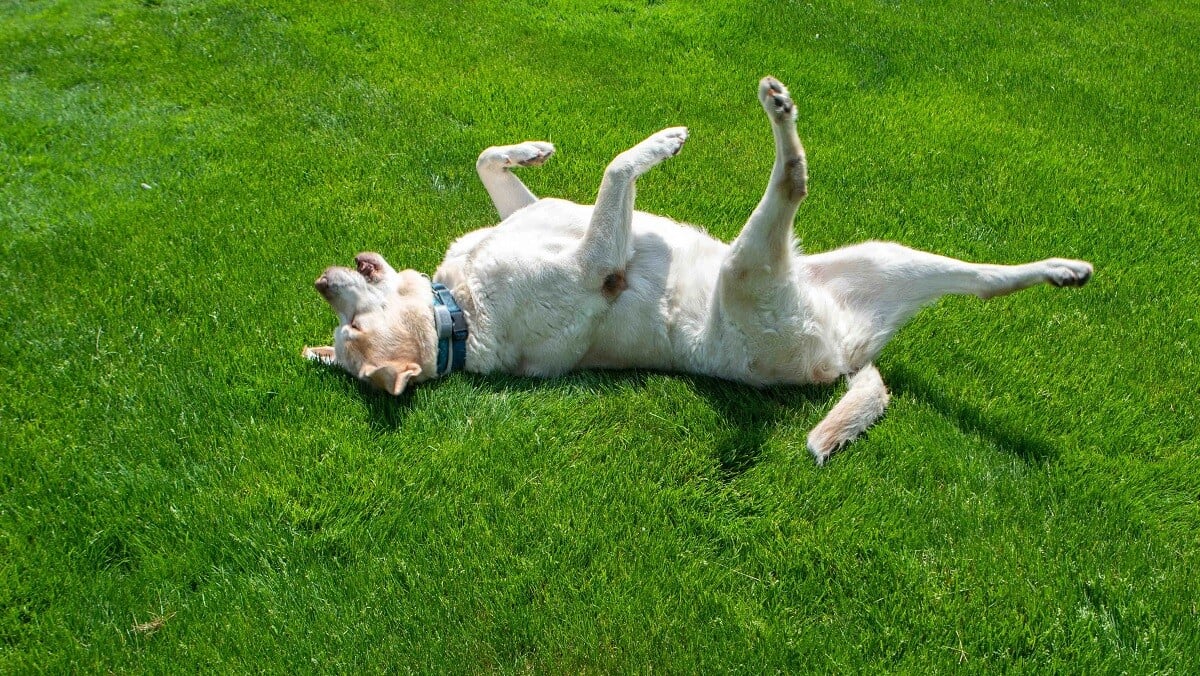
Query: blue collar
[[451, 325]]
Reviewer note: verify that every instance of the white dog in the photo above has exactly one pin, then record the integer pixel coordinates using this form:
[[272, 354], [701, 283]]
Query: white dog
[[558, 286]]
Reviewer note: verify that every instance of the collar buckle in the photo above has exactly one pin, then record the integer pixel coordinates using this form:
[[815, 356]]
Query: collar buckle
[[451, 324]]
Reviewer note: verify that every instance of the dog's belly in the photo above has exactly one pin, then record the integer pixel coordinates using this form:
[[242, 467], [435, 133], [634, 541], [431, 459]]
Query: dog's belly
[[632, 334], [660, 320], [532, 315]]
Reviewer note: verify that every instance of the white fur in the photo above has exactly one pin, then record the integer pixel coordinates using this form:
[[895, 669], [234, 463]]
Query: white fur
[[558, 286]]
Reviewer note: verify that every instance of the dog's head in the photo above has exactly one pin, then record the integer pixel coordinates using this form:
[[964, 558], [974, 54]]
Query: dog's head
[[386, 334]]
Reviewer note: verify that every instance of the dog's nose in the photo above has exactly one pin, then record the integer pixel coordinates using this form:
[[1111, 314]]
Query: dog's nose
[[322, 285]]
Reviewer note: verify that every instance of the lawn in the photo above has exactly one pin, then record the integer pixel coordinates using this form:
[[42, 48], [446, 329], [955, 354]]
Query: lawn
[[181, 492]]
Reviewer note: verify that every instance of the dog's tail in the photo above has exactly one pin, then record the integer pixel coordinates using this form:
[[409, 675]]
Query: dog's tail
[[857, 410]]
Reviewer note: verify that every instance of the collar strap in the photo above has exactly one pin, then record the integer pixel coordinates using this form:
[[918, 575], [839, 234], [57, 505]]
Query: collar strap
[[451, 325]]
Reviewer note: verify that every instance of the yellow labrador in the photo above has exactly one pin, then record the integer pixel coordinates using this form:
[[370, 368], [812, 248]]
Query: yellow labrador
[[558, 286]]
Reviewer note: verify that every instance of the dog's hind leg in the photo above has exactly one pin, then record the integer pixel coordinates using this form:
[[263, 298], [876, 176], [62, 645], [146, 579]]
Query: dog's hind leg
[[885, 284], [762, 254], [857, 410], [608, 243], [495, 170]]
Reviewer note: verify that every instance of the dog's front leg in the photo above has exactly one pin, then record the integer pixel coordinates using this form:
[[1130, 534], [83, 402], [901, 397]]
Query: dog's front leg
[[608, 243], [495, 166]]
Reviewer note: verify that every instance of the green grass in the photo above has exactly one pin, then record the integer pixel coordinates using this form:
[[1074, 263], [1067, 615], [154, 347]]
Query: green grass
[[174, 174]]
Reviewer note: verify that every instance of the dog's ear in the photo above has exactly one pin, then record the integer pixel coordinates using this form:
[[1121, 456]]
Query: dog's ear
[[323, 354], [392, 377]]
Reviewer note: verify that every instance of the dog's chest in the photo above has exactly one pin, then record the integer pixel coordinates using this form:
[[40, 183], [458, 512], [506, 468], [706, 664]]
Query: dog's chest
[[533, 314], [530, 315]]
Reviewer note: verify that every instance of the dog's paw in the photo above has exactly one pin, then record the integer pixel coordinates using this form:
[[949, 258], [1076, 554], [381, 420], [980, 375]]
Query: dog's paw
[[776, 100], [822, 445], [666, 143], [1065, 272], [324, 354], [528, 154], [647, 154]]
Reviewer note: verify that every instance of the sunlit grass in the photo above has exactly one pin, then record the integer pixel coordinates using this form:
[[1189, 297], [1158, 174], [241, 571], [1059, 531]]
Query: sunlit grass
[[181, 492]]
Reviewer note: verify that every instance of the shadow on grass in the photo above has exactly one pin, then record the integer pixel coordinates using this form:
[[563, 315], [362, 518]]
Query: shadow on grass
[[387, 412], [749, 415], [969, 419]]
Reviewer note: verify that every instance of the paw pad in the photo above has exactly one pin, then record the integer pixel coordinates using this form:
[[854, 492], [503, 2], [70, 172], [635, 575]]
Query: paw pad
[[530, 154], [775, 99]]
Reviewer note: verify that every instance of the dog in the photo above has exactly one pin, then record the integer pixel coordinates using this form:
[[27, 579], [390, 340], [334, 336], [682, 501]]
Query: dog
[[559, 286]]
